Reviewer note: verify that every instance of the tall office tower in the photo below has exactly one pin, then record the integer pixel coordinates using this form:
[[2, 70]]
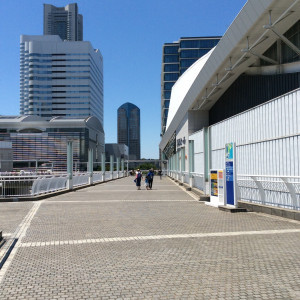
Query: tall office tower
[[129, 129], [176, 58], [63, 21], [60, 78]]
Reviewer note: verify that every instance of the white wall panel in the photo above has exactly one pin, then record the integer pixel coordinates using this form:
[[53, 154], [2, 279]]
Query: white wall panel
[[267, 138]]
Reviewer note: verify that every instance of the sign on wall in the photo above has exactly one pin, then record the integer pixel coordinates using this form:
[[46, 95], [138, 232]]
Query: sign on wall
[[230, 174]]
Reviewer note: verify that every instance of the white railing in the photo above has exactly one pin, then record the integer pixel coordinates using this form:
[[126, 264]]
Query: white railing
[[280, 191], [48, 184], [198, 181], [32, 185], [80, 179], [185, 177], [15, 186]]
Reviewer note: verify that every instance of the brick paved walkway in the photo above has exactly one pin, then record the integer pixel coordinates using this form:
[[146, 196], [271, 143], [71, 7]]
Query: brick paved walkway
[[111, 241]]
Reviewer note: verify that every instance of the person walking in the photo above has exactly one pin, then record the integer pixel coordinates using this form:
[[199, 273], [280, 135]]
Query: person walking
[[160, 174], [138, 179], [150, 178]]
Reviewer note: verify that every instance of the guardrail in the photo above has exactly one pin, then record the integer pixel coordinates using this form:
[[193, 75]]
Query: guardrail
[[280, 191], [32, 185]]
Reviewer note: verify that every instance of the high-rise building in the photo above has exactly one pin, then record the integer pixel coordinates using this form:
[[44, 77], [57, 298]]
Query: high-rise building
[[129, 129], [63, 21], [176, 58], [60, 78]]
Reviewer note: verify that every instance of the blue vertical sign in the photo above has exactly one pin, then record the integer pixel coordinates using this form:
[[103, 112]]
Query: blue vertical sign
[[230, 174]]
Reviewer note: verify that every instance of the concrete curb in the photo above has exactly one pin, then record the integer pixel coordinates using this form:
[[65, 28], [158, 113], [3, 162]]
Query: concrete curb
[[271, 210], [202, 197]]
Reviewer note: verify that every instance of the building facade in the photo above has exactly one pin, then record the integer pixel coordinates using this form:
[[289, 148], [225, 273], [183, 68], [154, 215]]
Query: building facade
[[60, 78], [117, 150], [63, 21], [6, 156], [129, 129], [247, 91], [177, 57], [37, 140]]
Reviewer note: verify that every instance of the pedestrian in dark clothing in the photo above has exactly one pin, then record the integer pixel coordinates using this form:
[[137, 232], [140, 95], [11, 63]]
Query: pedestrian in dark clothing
[[150, 178], [160, 174], [138, 179]]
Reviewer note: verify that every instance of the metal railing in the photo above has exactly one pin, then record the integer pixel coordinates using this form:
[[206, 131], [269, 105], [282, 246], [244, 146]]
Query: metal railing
[[280, 191], [12, 186]]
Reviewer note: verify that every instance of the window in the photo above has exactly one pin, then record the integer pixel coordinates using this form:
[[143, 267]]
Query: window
[[171, 49], [171, 58], [171, 76], [171, 68]]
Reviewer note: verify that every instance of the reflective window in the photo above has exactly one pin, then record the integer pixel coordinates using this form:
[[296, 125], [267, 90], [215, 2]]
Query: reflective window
[[193, 53], [171, 68], [186, 63], [171, 58], [171, 49], [168, 85], [209, 43], [166, 103], [167, 95], [171, 76]]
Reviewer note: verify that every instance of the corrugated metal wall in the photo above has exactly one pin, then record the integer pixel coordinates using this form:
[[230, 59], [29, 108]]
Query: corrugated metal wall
[[267, 138], [198, 139]]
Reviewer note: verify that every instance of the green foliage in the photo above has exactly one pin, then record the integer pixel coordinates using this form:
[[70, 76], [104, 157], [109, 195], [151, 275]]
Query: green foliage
[[147, 166]]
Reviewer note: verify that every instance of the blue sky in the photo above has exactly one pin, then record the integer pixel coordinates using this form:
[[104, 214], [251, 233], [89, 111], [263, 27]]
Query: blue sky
[[130, 35]]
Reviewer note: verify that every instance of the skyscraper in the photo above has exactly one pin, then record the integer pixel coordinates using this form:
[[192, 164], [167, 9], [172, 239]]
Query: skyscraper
[[63, 21], [60, 78], [129, 129], [178, 57]]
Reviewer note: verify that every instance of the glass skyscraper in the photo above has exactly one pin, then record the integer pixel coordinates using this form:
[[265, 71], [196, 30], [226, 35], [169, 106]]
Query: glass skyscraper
[[176, 58], [60, 78], [129, 129], [63, 21]]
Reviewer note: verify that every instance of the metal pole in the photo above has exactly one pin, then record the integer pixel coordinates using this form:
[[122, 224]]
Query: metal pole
[[111, 166], [90, 165], [118, 166], [103, 165], [70, 165], [122, 166]]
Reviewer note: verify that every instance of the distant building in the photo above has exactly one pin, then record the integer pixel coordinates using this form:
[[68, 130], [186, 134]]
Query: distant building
[[63, 21], [117, 150], [129, 129], [35, 139], [60, 78], [6, 156], [177, 57]]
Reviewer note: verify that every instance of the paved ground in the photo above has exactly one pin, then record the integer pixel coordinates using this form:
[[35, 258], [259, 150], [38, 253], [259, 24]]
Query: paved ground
[[114, 242]]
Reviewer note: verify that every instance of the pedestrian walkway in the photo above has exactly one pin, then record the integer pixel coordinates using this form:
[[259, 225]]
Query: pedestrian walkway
[[111, 241]]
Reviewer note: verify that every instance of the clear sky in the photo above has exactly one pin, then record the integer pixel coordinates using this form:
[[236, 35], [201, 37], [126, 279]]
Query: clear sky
[[130, 35]]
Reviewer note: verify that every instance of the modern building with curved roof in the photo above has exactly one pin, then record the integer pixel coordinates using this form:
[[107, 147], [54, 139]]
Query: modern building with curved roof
[[35, 139], [253, 71]]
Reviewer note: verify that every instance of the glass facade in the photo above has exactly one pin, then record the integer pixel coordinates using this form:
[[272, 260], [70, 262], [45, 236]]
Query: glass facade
[[177, 58], [60, 82], [48, 141], [129, 129], [63, 21]]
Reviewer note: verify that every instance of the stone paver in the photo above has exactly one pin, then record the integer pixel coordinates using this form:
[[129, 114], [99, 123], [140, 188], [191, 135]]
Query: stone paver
[[113, 242]]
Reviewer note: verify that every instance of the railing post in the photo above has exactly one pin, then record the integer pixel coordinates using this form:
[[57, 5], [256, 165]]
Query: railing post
[[122, 167], [103, 165], [111, 166], [260, 189], [292, 191], [90, 165], [118, 166], [70, 165]]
